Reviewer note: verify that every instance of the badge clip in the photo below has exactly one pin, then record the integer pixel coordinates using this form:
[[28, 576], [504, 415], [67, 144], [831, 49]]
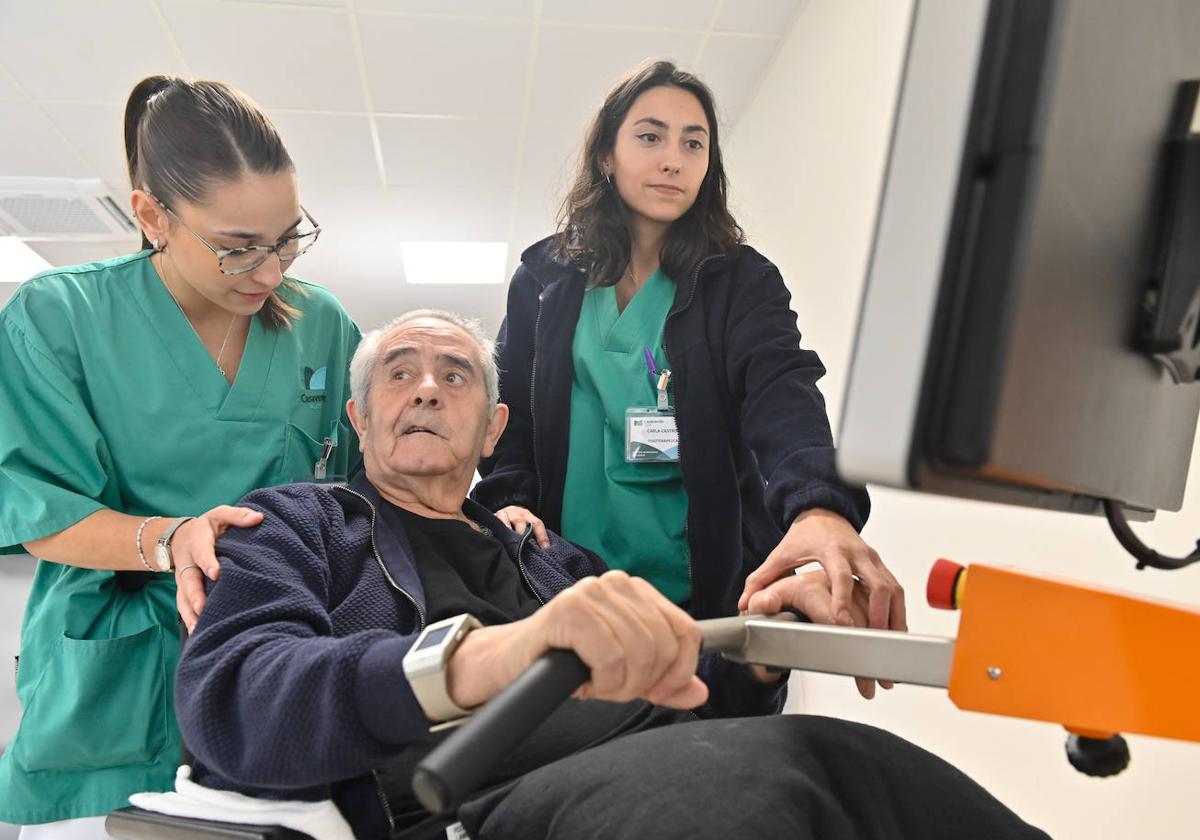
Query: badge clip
[[322, 466]]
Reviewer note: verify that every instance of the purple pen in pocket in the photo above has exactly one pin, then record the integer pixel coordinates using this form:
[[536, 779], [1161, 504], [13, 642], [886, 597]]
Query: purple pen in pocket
[[651, 367]]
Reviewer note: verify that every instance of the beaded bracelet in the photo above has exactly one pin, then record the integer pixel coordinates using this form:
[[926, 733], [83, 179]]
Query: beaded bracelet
[[141, 554]]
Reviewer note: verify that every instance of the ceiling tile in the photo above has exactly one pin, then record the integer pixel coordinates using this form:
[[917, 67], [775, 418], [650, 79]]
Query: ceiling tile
[[434, 66], [670, 14], [363, 271], [59, 49], [548, 164], [429, 214], [732, 67], [97, 131], [9, 89], [419, 152], [452, 214], [413, 213], [761, 17], [576, 66], [523, 9], [38, 148], [533, 222], [333, 149], [294, 57]]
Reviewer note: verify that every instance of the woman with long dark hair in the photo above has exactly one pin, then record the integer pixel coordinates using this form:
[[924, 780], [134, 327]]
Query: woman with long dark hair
[[142, 395], [663, 413]]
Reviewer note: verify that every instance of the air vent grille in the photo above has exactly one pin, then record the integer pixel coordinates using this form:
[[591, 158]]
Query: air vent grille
[[62, 209]]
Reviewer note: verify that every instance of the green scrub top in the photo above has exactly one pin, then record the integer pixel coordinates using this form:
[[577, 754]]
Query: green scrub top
[[633, 515], [111, 401]]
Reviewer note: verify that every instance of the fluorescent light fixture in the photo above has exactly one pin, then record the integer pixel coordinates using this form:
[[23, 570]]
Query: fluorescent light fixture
[[19, 262], [448, 263]]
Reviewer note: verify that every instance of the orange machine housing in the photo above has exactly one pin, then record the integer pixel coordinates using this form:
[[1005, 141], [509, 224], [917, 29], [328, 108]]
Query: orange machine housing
[[1097, 661]]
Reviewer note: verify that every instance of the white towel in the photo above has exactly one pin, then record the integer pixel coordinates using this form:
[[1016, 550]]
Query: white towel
[[320, 820]]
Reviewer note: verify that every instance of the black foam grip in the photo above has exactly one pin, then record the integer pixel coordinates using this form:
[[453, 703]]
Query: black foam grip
[[456, 767]]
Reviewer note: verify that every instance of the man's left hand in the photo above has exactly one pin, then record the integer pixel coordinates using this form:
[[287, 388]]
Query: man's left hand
[[825, 538]]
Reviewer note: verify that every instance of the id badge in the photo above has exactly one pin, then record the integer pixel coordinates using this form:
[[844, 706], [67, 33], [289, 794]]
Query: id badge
[[651, 436]]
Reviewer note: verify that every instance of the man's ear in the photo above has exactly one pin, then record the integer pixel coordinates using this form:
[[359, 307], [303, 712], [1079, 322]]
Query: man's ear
[[495, 428], [359, 424], [150, 216]]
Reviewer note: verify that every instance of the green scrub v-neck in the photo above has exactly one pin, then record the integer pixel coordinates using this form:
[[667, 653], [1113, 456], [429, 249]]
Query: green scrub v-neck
[[633, 515]]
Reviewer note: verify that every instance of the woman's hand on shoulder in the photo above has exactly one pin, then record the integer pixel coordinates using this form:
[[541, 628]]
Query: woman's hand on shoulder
[[194, 547], [519, 518], [824, 537]]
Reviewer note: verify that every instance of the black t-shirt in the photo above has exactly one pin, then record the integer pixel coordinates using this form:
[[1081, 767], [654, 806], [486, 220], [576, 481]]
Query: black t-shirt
[[463, 570]]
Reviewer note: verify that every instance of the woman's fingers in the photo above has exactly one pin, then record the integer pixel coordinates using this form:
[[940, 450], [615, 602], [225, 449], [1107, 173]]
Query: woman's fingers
[[778, 564], [194, 544], [223, 517], [811, 593], [885, 610], [189, 595], [519, 518]]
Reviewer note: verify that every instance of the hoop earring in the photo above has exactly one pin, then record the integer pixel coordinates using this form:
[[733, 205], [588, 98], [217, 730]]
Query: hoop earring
[[608, 177]]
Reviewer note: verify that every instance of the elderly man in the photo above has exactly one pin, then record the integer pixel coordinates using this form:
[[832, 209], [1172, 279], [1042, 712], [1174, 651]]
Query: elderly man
[[293, 684]]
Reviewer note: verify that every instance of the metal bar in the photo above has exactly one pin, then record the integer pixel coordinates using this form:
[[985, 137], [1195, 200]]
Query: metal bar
[[853, 651], [730, 634]]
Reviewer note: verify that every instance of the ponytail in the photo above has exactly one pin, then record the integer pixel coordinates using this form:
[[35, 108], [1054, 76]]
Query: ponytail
[[135, 108]]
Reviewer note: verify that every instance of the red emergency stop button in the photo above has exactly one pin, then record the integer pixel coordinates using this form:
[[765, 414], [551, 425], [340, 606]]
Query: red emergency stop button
[[940, 591]]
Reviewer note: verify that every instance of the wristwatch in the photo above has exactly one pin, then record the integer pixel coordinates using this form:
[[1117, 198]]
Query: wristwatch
[[162, 548], [425, 665]]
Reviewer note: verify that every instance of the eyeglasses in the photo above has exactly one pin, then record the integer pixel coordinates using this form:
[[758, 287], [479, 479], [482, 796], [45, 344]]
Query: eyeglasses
[[233, 261]]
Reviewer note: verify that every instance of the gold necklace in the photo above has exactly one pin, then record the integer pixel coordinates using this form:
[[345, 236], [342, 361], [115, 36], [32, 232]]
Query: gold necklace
[[228, 330]]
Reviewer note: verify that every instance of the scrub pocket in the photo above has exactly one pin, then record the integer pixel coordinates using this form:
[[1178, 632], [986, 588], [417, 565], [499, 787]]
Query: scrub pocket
[[99, 703], [302, 452]]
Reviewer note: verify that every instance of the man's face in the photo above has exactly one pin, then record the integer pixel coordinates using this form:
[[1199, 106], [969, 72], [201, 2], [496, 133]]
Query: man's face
[[427, 410]]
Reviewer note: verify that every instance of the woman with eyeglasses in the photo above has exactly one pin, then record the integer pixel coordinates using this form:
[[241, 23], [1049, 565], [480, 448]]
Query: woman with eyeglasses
[[663, 413], [142, 395]]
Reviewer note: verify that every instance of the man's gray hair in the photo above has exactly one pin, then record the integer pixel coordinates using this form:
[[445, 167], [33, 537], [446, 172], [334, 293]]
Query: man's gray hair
[[362, 366]]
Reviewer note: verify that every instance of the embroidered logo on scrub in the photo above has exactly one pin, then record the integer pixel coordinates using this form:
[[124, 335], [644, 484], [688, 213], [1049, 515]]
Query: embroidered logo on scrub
[[314, 384]]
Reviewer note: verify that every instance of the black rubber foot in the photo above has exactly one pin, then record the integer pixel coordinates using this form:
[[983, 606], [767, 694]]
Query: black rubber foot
[[1098, 756]]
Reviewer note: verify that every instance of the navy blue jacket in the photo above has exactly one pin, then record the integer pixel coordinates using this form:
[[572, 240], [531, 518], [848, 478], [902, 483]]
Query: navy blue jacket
[[293, 678], [755, 447]]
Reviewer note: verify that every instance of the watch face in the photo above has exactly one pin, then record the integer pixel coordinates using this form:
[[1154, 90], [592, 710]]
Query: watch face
[[435, 636], [162, 555]]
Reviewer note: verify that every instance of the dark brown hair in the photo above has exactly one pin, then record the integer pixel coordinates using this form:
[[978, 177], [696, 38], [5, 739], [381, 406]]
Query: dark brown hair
[[184, 138], [593, 224]]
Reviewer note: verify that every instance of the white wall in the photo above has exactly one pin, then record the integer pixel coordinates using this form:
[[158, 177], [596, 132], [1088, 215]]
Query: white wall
[[806, 163]]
